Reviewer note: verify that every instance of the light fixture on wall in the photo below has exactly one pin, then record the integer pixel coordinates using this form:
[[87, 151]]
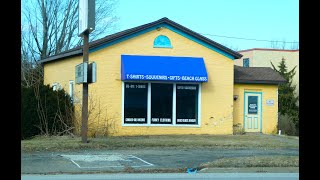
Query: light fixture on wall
[[235, 97], [159, 28]]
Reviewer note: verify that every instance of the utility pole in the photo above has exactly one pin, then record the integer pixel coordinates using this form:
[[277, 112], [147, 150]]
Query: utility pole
[[85, 89], [86, 26]]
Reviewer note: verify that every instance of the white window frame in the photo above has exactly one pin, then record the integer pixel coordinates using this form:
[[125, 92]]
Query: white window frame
[[174, 119]]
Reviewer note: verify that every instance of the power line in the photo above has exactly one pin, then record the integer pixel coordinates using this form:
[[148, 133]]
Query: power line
[[246, 38]]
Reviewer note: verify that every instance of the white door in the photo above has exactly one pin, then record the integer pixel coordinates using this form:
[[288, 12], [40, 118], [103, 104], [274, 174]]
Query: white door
[[252, 112]]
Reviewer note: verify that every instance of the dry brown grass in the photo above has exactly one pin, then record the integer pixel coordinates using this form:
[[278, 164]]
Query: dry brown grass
[[67, 143], [254, 161]]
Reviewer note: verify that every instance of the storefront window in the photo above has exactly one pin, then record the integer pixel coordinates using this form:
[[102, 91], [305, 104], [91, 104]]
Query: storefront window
[[187, 104], [135, 103], [161, 103]]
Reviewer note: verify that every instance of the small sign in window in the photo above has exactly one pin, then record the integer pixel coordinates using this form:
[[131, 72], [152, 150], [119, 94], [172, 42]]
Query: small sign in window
[[187, 104], [135, 103], [252, 104]]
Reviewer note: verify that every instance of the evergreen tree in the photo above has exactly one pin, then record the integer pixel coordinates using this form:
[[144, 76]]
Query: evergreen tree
[[287, 98]]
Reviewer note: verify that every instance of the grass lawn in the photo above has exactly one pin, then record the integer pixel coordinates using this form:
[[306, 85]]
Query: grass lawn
[[67, 143], [255, 161]]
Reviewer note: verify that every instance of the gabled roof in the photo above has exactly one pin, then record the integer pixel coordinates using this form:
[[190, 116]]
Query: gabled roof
[[256, 75], [117, 36]]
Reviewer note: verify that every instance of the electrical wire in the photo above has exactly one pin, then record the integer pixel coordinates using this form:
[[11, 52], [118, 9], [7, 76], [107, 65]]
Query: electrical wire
[[246, 38]]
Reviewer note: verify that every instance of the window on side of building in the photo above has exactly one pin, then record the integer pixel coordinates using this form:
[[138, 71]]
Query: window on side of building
[[246, 62], [187, 103], [161, 103], [135, 103]]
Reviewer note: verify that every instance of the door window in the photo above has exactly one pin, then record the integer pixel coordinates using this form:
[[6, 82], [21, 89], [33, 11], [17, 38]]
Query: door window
[[252, 104]]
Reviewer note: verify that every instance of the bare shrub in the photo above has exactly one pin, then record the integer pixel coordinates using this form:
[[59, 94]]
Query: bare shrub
[[100, 121], [238, 129], [286, 125]]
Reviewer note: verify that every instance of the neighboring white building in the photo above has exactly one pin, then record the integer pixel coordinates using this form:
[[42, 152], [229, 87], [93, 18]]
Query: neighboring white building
[[258, 57]]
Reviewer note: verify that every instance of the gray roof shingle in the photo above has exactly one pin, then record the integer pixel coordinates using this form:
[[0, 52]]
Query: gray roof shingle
[[113, 37], [256, 75]]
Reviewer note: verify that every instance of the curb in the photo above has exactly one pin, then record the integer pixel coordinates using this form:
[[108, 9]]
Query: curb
[[251, 170]]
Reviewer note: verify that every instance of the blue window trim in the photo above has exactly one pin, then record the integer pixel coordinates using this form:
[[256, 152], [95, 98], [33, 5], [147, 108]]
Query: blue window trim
[[170, 28], [244, 108], [246, 59]]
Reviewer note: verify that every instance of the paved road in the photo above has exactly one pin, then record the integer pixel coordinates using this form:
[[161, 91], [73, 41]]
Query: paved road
[[221, 176], [166, 158]]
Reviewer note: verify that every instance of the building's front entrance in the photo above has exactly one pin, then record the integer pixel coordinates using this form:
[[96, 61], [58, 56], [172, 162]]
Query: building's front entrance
[[252, 112]]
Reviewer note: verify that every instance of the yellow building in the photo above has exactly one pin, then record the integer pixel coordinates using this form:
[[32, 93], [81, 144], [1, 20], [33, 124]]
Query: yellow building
[[163, 78]]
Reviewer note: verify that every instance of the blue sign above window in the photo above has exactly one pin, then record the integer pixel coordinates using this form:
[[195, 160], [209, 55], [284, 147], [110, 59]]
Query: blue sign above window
[[163, 68]]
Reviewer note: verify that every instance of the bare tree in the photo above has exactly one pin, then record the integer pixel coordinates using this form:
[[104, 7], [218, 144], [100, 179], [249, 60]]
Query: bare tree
[[284, 45], [294, 45], [31, 74], [278, 45], [50, 27]]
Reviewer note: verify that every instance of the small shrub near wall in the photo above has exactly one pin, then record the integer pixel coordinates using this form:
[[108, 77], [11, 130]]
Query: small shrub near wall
[[45, 112], [275, 131], [286, 125], [238, 129]]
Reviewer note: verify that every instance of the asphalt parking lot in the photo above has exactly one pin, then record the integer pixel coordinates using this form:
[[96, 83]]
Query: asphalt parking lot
[[90, 161]]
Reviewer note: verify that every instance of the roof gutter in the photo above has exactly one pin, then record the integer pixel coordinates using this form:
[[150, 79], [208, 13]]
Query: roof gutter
[[60, 56], [241, 81]]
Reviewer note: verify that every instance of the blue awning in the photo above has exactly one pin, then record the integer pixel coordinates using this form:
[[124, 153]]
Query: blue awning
[[163, 68]]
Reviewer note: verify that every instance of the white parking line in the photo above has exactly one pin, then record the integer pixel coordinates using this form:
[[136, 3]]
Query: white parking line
[[74, 158], [142, 160], [75, 163]]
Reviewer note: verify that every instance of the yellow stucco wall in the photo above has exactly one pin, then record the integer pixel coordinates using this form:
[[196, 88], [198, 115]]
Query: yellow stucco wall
[[269, 113], [216, 94]]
